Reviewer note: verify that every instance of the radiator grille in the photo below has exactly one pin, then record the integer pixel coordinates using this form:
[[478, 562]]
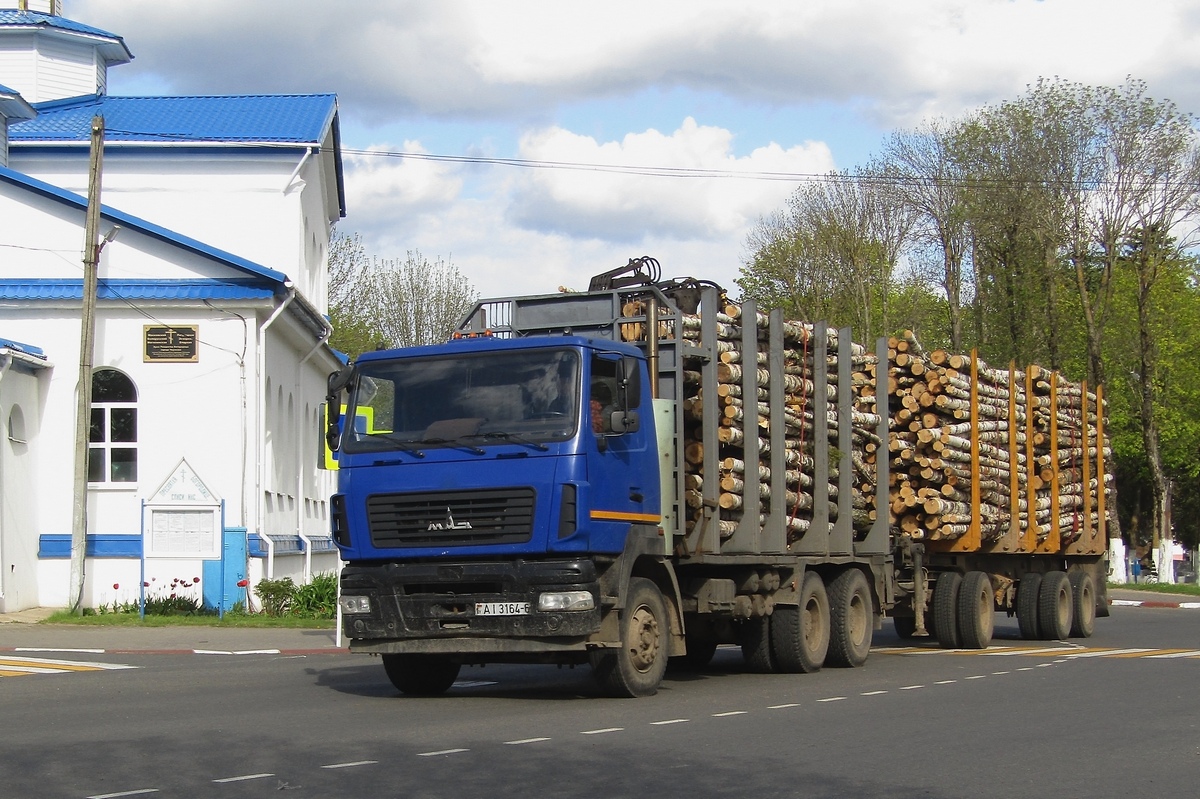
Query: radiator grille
[[451, 518]]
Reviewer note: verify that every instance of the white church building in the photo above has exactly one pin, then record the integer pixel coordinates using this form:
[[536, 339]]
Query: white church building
[[211, 341]]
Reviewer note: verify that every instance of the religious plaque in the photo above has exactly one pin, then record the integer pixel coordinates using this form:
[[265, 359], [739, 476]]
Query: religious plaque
[[171, 344]]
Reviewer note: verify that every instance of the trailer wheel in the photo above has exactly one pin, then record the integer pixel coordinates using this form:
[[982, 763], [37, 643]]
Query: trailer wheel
[[1027, 605], [1055, 615], [636, 668], [976, 610], [800, 634], [756, 643], [420, 675], [1083, 590], [851, 621], [945, 609]]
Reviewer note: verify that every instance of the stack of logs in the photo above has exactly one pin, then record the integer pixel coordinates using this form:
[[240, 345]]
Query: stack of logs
[[930, 445], [929, 401]]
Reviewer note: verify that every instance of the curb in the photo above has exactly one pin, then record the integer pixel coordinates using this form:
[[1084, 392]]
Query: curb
[[46, 650], [1135, 603]]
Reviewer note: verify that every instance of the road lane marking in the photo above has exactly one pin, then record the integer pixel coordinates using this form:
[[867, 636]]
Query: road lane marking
[[138, 792], [910, 687], [729, 713], [945, 682], [244, 778], [526, 741], [670, 721], [442, 752], [601, 731], [352, 764], [1181, 653], [975, 677], [781, 707], [832, 699], [872, 693]]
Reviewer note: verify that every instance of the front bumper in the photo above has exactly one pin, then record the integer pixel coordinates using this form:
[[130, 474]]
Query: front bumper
[[430, 607]]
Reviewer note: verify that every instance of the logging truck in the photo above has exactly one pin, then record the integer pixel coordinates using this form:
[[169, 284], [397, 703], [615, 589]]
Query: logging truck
[[638, 473]]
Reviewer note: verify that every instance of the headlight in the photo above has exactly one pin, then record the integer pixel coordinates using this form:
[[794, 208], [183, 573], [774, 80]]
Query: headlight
[[566, 600], [355, 604]]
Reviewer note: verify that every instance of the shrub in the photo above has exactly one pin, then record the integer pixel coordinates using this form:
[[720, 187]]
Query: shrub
[[316, 600], [276, 595]]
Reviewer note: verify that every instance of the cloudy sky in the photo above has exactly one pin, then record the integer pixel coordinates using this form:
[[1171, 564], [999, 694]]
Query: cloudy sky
[[701, 104]]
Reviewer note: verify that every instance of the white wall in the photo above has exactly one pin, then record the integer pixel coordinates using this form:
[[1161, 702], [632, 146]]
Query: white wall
[[20, 422]]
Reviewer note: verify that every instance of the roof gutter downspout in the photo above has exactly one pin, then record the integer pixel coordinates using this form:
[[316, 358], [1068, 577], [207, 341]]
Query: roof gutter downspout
[[260, 443], [5, 362], [292, 177], [300, 467]]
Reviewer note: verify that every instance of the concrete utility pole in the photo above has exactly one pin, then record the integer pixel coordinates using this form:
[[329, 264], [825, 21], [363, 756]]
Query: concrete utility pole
[[83, 412]]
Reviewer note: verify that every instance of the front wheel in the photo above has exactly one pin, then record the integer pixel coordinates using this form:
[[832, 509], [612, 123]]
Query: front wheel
[[636, 668], [421, 675]]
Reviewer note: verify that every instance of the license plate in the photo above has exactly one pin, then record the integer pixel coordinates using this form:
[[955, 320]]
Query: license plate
[[501, 608]]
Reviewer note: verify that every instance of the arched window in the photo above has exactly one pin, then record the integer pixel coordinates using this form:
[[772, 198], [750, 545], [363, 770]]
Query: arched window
[[112, 453]]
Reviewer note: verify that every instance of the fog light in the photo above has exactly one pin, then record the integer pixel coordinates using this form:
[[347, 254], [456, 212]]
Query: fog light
[[355, 604], [566, 600]]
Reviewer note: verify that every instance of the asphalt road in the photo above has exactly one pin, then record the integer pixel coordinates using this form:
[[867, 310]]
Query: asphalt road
[[1116, 715]]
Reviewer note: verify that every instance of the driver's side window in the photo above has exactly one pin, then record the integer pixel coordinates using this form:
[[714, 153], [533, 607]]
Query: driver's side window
[[602, 395]]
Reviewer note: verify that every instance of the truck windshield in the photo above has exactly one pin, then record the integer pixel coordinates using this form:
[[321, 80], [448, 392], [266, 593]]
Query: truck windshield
[[467, 401]]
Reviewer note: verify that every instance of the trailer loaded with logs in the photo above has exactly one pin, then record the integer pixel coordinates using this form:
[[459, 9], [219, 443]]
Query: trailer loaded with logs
[[646, 470]]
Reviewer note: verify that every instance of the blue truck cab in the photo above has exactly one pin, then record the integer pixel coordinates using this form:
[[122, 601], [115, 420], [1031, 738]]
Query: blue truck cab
[[493, 497]]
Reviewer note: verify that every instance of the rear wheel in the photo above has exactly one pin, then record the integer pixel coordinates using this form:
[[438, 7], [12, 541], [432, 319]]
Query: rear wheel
[[1083, 590], [851, 619], [420, 675], [945, 609], [756, 643], [1055, 611], [976, 610], [636, 668], [800, 634], [1027, 605]]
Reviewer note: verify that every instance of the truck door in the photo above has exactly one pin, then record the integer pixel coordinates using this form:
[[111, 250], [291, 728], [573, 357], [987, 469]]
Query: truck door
[[622, 468]]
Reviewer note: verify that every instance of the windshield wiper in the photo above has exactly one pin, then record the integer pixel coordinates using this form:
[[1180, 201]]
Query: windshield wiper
[[456, 443], [406, 444], [499, 434]]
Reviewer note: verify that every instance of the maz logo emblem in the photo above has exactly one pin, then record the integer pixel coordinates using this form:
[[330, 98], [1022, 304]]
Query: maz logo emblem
[[449, 523]]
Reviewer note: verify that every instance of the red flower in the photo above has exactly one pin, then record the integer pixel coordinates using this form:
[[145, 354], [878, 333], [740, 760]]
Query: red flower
[[116, 585], [195, 579], [243, 583], [146, 585]]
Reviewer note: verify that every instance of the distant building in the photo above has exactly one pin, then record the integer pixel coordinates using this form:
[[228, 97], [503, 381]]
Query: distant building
[[211, 345]]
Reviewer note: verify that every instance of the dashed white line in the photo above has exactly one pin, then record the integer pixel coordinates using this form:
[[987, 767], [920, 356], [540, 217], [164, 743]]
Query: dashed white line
[[998, 673], [910, 687], [781, 707], [442, 752], [872, 693], [1025, 668], [526, 741], [602, 731], [729, 713], [138, 792], [832, 699], [975, 677], [244, 778], [1192, 654], [79, 651], [1106, 652], [945, 682], [670, 721], [352, 764]]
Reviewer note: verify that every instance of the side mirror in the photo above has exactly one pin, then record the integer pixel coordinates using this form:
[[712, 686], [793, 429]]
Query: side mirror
[[333, 433], [625, 421], [338, 380]]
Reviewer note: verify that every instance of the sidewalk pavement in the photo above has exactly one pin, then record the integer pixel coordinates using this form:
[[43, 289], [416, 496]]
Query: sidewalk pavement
[[1152, 599], [22, 631]]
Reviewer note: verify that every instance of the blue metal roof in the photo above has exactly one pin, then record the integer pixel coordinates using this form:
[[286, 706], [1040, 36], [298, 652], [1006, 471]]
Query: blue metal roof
[[28, 349], [302, 119], [12, 18], [195, 289]]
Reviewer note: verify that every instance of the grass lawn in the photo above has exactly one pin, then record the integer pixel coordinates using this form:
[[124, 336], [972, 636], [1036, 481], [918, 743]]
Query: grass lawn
[[230, 620]]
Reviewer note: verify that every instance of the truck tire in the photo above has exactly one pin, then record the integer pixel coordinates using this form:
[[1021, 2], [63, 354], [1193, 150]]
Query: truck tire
[[851, 619], [1055, 606], [636, 668], [945, 609], [1083, 590], [976, 610], [800, 634], [1027, 605], [756, 643], [420, 675]]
